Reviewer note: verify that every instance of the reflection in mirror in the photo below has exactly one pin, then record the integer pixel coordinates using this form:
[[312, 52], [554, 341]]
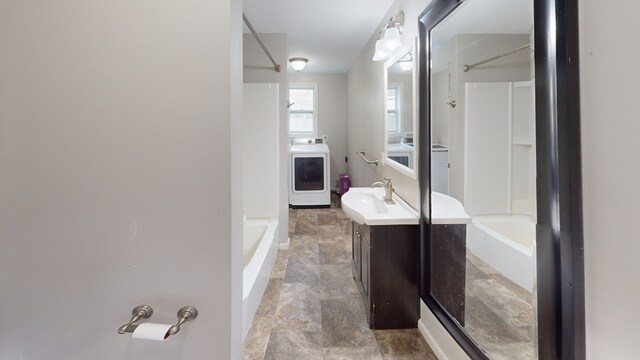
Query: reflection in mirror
[[483, 160], [400, 112]]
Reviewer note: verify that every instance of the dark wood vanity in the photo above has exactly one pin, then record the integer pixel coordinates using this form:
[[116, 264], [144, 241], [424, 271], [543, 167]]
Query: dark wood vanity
[[448, 267], [385, 267]]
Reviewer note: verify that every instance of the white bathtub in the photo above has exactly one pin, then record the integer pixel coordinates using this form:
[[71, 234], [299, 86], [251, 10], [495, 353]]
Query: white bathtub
[[260, 251], [507, 243]]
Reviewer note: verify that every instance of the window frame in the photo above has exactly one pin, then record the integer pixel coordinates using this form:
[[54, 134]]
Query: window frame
[[397, 88], [303, 85]]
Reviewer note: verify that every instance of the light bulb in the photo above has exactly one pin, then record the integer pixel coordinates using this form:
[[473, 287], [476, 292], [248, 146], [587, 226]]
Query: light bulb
[[392, 39]]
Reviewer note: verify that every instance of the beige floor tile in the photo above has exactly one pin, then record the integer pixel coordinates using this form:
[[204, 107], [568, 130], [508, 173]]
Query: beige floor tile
[[312, 308]]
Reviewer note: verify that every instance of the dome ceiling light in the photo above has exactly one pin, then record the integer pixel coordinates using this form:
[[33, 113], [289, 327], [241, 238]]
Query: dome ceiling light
[[298, 63]]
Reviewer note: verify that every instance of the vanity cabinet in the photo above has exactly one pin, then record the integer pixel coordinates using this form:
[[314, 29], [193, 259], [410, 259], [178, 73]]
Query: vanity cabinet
[[385, 261], [449, 267]]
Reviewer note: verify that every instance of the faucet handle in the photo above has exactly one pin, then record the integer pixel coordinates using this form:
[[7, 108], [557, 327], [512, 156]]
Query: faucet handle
[[388, 180]]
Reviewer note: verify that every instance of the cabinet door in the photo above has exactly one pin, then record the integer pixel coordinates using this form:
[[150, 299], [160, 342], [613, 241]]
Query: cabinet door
[[356, 244], [366, 262]]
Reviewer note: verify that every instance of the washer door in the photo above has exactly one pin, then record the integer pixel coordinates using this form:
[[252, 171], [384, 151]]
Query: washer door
[[309, 172]]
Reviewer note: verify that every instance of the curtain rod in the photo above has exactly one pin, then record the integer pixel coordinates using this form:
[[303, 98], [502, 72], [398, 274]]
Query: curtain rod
[[466, 68], [255, 34]]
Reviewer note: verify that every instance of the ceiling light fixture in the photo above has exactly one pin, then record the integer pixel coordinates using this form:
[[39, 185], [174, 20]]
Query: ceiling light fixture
[[381, 52], [389, 40], [298, 63]]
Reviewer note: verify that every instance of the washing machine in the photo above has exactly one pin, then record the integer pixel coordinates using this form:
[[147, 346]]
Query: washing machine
[[309, 174]]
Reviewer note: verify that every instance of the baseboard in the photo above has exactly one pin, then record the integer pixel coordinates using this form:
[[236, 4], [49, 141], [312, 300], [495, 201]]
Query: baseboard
[[431, 341], [284, 246]]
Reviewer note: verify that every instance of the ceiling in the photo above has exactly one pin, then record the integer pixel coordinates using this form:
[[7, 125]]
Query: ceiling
[[330, 33]]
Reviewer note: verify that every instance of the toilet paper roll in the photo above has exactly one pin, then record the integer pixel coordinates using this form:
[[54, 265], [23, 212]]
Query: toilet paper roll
[[151, 331]]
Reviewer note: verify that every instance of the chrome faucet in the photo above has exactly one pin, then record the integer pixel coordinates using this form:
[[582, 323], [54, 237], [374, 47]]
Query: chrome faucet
[[388, 190]]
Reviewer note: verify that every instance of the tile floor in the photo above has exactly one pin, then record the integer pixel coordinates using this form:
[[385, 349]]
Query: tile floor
[[499, 315], [312, 308]]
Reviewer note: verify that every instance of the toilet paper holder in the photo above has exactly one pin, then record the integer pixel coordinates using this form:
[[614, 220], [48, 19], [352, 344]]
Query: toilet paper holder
[[185, 314]]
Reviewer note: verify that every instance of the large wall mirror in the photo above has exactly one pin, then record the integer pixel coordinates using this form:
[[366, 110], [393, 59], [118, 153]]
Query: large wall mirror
[[400, 113], [501, 258]]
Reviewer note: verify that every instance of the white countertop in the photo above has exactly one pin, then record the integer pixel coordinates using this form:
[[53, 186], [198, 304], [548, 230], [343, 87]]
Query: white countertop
[[447, 210], [366, 205]]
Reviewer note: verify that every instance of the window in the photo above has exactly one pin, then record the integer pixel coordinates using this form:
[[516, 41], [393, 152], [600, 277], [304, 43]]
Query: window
[[303, 112], [393, 109]]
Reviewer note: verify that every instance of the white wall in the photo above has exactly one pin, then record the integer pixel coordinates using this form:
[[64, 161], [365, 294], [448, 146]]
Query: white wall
[[365, 127], [468, 49], [261, 150], [610, 125], [236, 132], [366, 94], [258, 69], [332, 115], [115, 177], [441, 111]]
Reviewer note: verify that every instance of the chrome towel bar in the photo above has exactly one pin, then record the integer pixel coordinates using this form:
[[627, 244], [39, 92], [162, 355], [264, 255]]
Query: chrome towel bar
[[374, 162]]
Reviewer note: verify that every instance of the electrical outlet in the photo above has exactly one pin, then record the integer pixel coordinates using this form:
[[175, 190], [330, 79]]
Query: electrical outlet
[[325, 139]]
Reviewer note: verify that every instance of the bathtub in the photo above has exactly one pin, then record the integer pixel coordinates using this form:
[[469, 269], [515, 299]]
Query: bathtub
[[507, 243], [260, 251]]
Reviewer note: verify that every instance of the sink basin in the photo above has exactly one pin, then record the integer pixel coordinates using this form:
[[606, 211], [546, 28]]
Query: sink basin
[[366, 206]]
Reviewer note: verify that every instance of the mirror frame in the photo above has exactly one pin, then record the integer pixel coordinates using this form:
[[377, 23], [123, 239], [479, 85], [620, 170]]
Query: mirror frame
[[412, 173], [559, 231]]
